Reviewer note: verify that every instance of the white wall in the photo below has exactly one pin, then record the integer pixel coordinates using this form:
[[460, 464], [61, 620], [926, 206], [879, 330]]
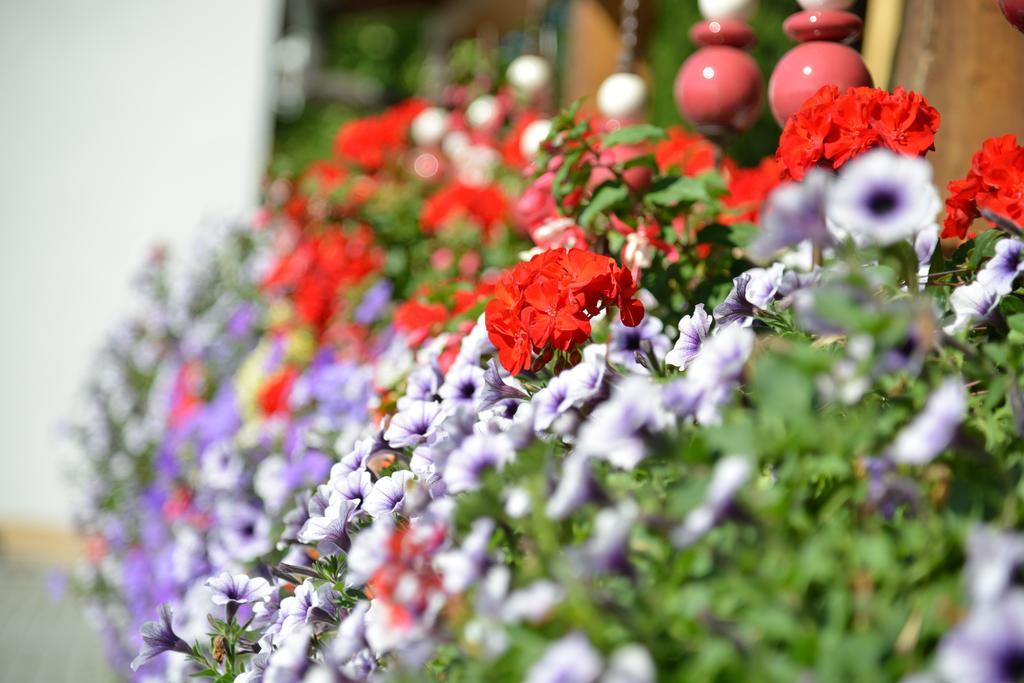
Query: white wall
[[123, 123]]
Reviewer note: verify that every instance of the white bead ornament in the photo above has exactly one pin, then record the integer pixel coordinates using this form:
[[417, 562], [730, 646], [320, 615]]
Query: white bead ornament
[[533, 135], [622, 96], [529, 74], [429, 127], [826, 4], [727, 9], [483, 111]]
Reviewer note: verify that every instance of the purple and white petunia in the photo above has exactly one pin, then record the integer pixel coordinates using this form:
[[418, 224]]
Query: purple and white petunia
[[630, 664], [569, 660], [987, 646], [576, 486], [693, 330], [881, 198], [388, 494], [238, 588], [477, 454], [794, 214], [1002, 270], [731, 473], [932, 431], [995, 559], [414, 424], [462, 567], [462, 386], [646, 338], [971, 303], [159, 637], [618, 429]]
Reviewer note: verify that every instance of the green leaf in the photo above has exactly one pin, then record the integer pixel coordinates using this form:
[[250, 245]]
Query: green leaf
[[681, 190], [631, 135], [1016, 322], [607, 196], [984, 246]]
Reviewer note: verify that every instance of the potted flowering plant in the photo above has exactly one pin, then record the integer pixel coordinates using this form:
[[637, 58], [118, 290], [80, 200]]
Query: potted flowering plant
[[713, 424]]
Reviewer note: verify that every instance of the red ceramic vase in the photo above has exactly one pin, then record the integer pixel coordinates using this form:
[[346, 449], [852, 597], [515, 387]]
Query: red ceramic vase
[[719, 90], [1013, 10], [806, 68]]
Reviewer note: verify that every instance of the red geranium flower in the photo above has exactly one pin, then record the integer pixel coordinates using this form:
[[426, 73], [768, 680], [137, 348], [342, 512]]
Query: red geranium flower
[[485, 206], [371, 141], [748, 189], [832, 128], [273, 396], [546, 304], [995, 182], [685, 152]]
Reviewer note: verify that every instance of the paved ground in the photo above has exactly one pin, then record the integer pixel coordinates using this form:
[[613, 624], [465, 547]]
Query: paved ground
[[42, 640]]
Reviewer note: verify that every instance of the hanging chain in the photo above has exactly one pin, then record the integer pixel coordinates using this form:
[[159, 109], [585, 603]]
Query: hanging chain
[[628, 26]]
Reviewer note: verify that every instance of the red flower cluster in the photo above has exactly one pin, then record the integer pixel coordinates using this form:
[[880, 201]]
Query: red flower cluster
[[406, 585], [546, 304], [485, 206], [832, 128], [319, 266], [273, 395], [419, 318], [748, 189], [685, 152], [371, 141], [995, 182]]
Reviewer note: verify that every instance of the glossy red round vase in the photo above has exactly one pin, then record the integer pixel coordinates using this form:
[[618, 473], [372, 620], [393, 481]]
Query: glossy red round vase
[[719, 90], [1013, 10], [831, 25], [723, 32], [806, 68]]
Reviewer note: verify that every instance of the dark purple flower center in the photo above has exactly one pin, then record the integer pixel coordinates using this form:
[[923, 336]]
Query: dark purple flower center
[[1012, 664], [883, 201]]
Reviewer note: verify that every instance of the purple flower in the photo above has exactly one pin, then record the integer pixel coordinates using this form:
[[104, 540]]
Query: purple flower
[[882, 198], [354, 486], [569, 660], [551, 402], [328, 527], [290, 661], [682, 398], [728, 477], [586, 380], [478, 453], [369, 551], [764, 284], [987, 646], [888, 492], [237, 588], [414, 424], [461, 567], [932, 431], [462, 387], [423, 384], [618, 428], [607, 548], [575, 488], [1002, 269], [794, 213], [374, 301], [716, 371], [495, 390], [736, 308], [243, 531], [971, 303], [351, 636], [159, 637], [388, 494], [995, 559], [693, 330], [309, 604], [644, 339]]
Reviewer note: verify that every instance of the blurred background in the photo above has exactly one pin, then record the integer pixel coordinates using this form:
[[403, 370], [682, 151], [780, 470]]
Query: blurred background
[[128, 124]]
